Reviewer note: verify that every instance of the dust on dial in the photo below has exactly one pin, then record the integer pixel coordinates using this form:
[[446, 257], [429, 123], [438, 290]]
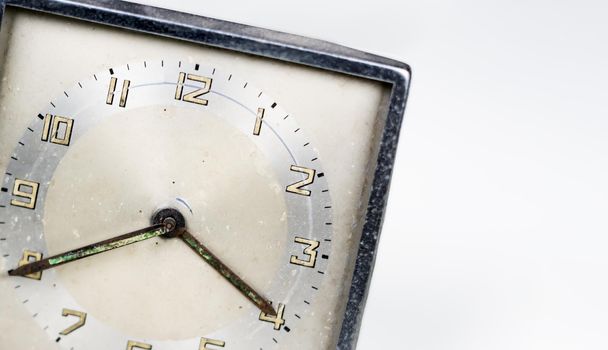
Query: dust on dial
[[103, 157]]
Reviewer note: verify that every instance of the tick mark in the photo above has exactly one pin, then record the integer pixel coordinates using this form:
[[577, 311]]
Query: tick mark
[[306, 144], [213, 71], [296, 315], [162, 63], [328, 207], [328, 223], [275, 340], [15, 158], [25, 301], [57, 340], [287, 116], [21, 143], [30, 129], [196, 66], [34, 315], [6, 255], [128, 68], [321, 272], [111, 71], [306, 302], [327, 240], [312, 160], [229, 77], [244, 86], [296, 130], [79, 84], [4, 189], [94, 76], [260, 94], [66, 94], [2, 239], [145, 64], [18, 286], [325, 191], [40, 116], [320, 174], [179, 64], [315, 288], [52, 104], [324, 256], [274, 104], [286, 329]]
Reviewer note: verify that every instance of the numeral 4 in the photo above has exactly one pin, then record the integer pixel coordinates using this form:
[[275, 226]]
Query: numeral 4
[[278, 320]]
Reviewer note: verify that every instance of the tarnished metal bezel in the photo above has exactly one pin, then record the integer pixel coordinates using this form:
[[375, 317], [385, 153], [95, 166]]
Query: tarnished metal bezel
[[284, 47]]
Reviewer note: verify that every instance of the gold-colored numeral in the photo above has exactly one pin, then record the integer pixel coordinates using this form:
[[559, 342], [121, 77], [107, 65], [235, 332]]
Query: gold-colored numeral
[[53, 124], [310, 251], [123, 95], [82, 317], [207, 341], [277, 320], [194, 95], [25, 189], [258, 121], [134, 344], [28, 257], [297, 186]]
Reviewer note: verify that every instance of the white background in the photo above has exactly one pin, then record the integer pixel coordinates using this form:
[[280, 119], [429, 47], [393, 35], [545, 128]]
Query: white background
[[496, 231]]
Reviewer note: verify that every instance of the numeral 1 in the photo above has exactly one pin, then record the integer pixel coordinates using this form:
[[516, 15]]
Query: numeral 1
[[310, 251], [297, 186], [24, 189], [206, 341], [258, 122], [194, 95], [123, 95], [53, 124]]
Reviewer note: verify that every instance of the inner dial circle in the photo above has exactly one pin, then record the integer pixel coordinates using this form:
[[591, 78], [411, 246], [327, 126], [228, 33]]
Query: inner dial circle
[[227, 165], [228, 204]]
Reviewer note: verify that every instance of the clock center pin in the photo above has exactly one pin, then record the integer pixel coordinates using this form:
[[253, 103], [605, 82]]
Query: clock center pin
[[173, 220]]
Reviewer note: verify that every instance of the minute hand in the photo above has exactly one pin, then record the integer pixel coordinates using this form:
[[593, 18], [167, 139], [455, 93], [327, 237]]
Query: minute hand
[[228, 274], [91, 249]]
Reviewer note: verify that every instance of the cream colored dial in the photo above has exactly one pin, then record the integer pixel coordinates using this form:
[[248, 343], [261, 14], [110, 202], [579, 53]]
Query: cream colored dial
[[101, 158]]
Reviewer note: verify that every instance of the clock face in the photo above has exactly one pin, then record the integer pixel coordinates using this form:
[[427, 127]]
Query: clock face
[[158, 194], [107, 154]]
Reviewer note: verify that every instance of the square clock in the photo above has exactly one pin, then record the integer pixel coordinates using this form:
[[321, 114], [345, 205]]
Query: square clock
[[177, 182]]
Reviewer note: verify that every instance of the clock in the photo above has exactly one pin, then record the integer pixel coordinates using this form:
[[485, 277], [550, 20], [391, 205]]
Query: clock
[[178, 182]]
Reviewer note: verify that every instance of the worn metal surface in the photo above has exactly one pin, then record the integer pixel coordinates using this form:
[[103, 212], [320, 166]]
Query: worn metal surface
[[90, 250], [285, 47]]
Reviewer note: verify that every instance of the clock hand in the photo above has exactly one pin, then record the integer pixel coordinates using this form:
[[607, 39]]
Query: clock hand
[[120, 241], [227, 273]]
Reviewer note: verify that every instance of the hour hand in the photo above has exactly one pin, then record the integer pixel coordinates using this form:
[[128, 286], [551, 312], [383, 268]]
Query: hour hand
[[95, 248], [261, 302]]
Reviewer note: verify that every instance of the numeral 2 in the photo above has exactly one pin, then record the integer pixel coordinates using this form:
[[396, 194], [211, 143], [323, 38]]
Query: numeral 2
[[297, 186]]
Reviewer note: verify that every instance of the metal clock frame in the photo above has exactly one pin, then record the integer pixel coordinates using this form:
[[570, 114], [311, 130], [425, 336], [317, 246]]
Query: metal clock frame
[[284, 47]]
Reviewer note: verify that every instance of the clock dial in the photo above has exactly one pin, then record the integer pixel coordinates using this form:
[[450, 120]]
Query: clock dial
[[103, 157]]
